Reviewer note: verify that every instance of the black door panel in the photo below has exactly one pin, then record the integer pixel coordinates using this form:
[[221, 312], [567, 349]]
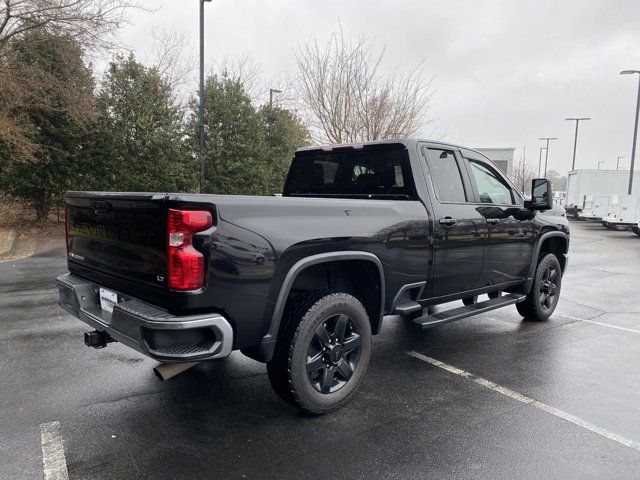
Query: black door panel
[[459, 229], [511, 233]]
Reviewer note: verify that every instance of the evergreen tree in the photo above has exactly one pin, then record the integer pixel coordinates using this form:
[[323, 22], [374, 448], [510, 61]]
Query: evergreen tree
[[248, 151], [58, 112], [139, 142]]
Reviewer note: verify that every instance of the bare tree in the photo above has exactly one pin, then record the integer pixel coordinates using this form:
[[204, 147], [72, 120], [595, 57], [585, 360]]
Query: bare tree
[[174, 62], [90, 22], [347, 97], [243, 69], [522, 175]]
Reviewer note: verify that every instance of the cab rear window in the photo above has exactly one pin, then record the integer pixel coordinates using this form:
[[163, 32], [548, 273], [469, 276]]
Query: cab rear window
[[382, 173]]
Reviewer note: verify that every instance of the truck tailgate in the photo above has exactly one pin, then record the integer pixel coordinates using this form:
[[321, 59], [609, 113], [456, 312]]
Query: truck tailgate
[[123, 235]]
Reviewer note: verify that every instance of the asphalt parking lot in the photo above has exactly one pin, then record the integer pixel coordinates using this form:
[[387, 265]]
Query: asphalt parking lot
[[512, 399]]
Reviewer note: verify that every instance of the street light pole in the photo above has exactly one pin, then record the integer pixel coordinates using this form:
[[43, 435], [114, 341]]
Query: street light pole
[[635, 130], [546, 154], [271, 92], [201, 106], [618, 163], [540, 161], [575, 139]]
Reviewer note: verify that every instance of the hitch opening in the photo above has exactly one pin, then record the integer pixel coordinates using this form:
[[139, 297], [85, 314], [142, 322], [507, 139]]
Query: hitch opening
[[97, 339]]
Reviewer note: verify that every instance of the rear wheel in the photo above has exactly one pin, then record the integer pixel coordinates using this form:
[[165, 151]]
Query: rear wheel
[[545, 292], [322, 351], [636, 230]]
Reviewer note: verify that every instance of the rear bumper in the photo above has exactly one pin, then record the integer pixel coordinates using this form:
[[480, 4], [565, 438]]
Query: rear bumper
[[145, 328]]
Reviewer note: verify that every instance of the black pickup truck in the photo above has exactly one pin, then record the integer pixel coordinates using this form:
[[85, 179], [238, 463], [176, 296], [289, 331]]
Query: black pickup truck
[[303, 280]]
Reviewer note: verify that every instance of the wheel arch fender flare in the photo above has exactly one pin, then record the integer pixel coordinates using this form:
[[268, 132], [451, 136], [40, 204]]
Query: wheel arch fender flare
[[310, 261], [536, 255]]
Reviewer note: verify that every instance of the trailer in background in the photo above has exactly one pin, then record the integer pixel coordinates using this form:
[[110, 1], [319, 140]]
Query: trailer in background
[[581, 183], [596, 208], [624, 213]]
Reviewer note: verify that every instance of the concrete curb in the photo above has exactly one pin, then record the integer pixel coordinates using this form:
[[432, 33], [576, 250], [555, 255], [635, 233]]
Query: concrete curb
[[8, 243]]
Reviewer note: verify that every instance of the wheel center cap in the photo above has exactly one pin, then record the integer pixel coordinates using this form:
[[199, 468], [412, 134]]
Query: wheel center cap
[[335, 353]]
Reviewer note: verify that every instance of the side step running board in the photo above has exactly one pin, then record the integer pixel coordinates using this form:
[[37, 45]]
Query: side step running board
[[440, 318], [407, 307]]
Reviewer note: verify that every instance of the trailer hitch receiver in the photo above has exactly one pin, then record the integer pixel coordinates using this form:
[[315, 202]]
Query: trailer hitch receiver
[[97, 339]]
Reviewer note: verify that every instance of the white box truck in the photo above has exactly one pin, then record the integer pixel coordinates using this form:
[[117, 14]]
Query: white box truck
[[624, 212], [596, 207], [581, 183]]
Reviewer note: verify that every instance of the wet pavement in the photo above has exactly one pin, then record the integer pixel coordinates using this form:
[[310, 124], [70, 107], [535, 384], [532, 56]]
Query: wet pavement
[[411, 419]]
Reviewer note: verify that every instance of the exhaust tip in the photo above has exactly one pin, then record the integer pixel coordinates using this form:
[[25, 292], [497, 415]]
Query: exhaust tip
[[166, 371]]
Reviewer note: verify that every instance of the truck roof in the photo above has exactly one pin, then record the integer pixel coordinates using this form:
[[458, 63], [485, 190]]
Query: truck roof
[[407, 142]]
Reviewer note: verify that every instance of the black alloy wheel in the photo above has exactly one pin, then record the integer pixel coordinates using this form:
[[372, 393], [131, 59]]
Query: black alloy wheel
[[333, 354], [548, 287], [322, 351], [542, 299]]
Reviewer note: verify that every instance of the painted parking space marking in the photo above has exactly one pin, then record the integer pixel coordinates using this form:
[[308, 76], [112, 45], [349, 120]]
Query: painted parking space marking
[[602, 324], [529, 401], [54, 463]]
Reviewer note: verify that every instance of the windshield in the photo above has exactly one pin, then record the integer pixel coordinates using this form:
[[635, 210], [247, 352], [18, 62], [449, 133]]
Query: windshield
[[382, 173]]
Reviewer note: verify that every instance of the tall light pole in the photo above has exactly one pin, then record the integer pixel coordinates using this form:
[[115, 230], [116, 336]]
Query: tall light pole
[[618, 163], [271, 92], [635, 129], [540, 161], [575, 139], [201, 106], [546, 154]]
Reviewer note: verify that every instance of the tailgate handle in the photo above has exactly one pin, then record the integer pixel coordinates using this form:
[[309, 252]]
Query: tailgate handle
[[101, 206]]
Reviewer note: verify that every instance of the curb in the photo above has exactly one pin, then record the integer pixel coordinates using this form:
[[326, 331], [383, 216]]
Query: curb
[[8, 243]]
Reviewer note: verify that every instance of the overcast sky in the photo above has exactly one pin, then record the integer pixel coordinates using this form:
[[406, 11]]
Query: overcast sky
[[506, 71]]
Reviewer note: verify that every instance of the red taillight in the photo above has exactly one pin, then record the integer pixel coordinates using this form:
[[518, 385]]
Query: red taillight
[[185, 265]]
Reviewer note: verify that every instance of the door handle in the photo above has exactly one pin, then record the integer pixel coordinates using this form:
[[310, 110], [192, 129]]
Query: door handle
[[447, 221], [493, 221]]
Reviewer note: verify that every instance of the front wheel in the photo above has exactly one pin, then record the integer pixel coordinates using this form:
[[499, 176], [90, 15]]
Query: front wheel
[[322, 351], [545, 292]]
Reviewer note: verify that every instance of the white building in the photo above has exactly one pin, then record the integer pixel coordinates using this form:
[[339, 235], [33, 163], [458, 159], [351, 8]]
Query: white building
[[502, 157]]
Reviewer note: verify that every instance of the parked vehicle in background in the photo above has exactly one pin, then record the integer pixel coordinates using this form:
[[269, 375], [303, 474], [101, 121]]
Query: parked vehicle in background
[[625, 214], [581, 183], [559, 198], [595, 208], [302, 281]]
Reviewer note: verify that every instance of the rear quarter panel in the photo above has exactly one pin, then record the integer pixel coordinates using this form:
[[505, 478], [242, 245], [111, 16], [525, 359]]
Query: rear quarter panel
[[258, 239]]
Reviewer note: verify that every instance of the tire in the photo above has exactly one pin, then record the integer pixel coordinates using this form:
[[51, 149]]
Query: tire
[[313, 367], [636, 230], [496, 294], [545, 292]]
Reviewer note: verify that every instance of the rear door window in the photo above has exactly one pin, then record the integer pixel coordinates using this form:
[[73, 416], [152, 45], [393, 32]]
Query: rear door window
[[445, 176]]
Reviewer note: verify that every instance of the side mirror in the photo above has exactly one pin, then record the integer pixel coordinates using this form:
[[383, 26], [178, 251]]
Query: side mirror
[[541, 195]]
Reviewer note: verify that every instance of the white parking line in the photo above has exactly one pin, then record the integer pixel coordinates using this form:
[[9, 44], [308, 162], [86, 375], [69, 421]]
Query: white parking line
[[602, 324], [54, 463], [530, 401]]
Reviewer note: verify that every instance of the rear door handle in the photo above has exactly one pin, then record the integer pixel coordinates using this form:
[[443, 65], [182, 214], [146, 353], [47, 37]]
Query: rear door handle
[[493, 221], [447, 221]]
